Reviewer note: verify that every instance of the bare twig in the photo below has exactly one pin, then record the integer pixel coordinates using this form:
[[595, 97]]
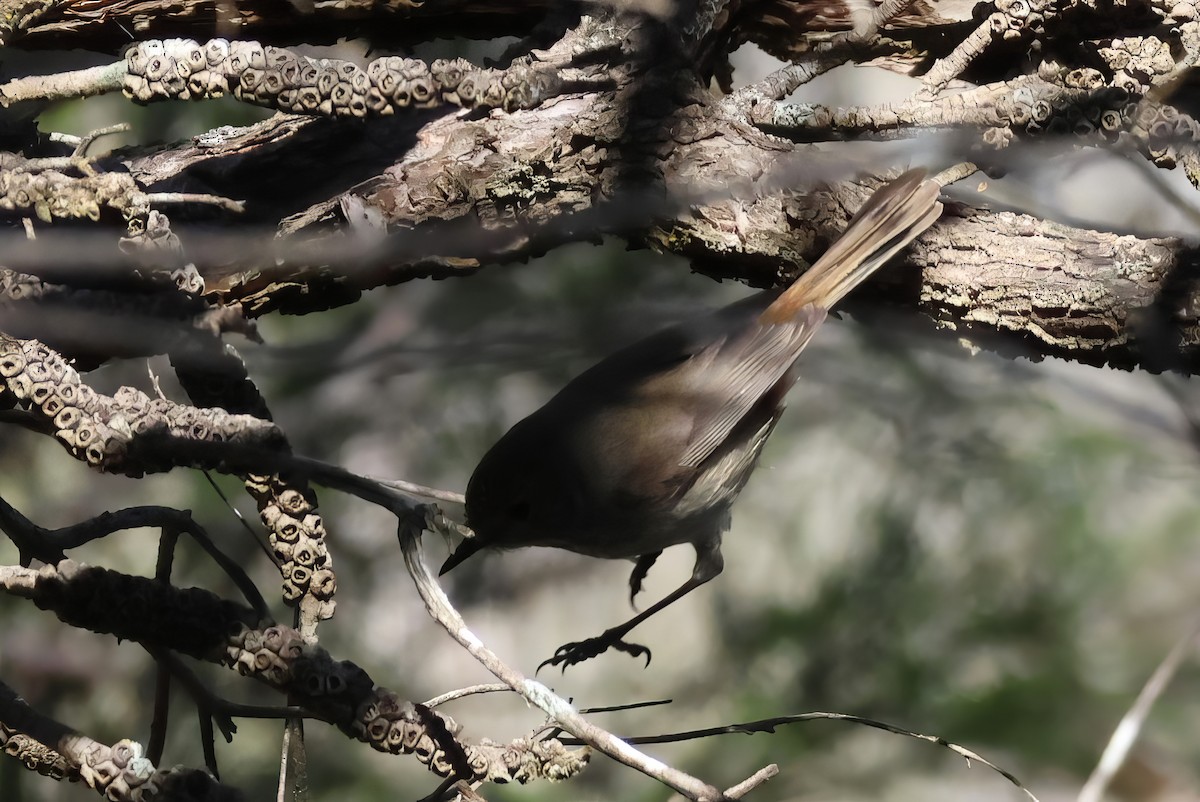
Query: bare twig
[[1126, 733], [293, 783], [162, 671], [789, 78], [628, 706], [769, 725], [450, 696], [161, 715], [955, 173], [467, 793], [947, 69], [85, 141], [48, 545], [555, 731], [414, 489], [439, 794], [64, 85], [163, 198], [753, 781], [1176, 199], [207, 741], [438, 604], [255, 535], [869, 24], [223, 710]]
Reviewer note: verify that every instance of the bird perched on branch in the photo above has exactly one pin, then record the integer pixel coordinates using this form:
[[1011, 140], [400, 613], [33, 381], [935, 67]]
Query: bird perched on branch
[[650, 447]]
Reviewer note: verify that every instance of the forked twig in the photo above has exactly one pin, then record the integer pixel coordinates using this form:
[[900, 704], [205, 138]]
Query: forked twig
[[48, 545], [410, 528]]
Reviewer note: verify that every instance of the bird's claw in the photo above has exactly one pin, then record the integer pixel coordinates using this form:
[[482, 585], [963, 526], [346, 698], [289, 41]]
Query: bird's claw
[[570, 654]]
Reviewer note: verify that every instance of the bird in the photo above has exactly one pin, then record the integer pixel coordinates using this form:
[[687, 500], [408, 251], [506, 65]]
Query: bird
[[650, 447]]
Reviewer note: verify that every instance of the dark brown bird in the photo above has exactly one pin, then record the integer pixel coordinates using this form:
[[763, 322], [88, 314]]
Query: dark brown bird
[[650, 447]]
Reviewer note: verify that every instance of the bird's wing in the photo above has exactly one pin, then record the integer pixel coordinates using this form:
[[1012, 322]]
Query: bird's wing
[[753, 362]]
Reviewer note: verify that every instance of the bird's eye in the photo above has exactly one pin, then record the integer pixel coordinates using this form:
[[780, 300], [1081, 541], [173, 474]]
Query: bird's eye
[[519, 511]]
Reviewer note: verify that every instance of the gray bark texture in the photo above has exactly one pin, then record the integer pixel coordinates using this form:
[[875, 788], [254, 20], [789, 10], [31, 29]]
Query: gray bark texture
[[641, 144]]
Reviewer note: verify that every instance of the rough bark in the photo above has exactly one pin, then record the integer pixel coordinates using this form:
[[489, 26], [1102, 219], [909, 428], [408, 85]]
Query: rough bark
[[643, 147], [475, 192]]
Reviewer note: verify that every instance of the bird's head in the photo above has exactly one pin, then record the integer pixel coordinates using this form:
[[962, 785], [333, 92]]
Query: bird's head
[[518, 496]]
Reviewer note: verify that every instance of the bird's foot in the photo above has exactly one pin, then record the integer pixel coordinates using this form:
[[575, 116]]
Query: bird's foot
[[570, 654]]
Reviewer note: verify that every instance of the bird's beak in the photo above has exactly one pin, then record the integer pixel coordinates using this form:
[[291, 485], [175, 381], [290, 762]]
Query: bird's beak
[[464, 550]]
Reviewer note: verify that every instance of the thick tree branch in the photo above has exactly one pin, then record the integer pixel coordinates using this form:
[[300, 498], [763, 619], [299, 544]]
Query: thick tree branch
[[202, 625], [662, 161], [475, 193], [119, 772], [107, 25]]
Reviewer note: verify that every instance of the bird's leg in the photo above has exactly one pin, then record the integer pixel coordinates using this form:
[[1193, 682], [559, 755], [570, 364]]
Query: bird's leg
[[640, 570], [708, 564], [571, 653]]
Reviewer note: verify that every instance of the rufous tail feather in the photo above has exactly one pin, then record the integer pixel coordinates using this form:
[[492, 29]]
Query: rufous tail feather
[[890, 219]]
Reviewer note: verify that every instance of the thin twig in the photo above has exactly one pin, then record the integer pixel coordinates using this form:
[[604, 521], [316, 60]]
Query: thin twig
[[208, 742], [255, 535], [421, 490], [747, 785], [293, 764], [869, 24], [210, 707], [753, 781], [956, 173], [471, 690], [227, 711], [786, 80], [162, 713], [1126, 733], [49, 545], [769, 725], [949, 67], [162, 198], [65, 85], [28, 537], [69, 537], [1174, 198], [628, 706], [467, 792], [537, 694], [162, 670], [84, 142], [440, 793], [554, 731]]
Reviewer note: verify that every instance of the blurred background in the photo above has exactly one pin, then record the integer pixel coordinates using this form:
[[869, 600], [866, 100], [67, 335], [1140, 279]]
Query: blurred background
[[996, 551]]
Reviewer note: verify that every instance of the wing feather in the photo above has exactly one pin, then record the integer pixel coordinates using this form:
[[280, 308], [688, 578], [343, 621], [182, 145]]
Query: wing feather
[[753, 363]]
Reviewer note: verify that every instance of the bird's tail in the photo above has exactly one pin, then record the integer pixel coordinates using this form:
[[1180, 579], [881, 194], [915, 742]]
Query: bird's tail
[[890, 219]]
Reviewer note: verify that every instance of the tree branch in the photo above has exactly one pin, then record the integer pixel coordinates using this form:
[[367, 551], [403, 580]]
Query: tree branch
[[470, 196]]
